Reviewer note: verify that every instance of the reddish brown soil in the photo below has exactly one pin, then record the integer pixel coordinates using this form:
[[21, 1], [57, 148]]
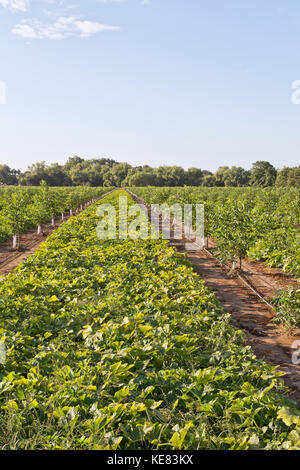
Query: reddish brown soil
[[266, 280], [268, 340]]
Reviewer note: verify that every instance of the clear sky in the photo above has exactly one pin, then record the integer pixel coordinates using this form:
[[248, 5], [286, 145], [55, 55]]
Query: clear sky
[[161, 82]]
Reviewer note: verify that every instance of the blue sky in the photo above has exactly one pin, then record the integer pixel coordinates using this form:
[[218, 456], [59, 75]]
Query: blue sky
[[161, 82]]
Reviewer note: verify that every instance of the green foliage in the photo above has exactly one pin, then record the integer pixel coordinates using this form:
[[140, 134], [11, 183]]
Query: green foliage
[[107, 172], [260, 223], [288, 177], [263, 174], [8, 176], [233, 231], [21, 209], [119, 345], [16, 211], [287, 305]]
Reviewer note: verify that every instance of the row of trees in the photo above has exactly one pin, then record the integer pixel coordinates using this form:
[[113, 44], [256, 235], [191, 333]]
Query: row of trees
[[258, 222], [107, 172], [23, 208]]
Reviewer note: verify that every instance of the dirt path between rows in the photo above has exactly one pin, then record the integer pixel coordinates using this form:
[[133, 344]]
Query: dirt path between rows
[[268, 340], [265, 279]]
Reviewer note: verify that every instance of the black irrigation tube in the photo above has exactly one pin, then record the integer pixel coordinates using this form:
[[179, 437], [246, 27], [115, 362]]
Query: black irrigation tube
[[11, 257], [248, 284]]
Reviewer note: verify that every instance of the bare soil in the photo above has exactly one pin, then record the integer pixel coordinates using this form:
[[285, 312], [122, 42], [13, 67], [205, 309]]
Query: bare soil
[[266, 280], [268, 340]]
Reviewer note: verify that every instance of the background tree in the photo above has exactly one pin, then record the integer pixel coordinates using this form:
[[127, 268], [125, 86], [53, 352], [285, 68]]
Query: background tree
[[141, 178], [56, 176], [170, 176], [8, 175], [220, 175], [193, 177], [236, 176], [108, 172], [288, 177], [209, 181], [72, 162], [35, 174], [119, 173], [263, 174], [294, 177]]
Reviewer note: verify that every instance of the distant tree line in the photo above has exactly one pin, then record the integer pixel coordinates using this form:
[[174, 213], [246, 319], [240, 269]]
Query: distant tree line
[[108, 172]]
